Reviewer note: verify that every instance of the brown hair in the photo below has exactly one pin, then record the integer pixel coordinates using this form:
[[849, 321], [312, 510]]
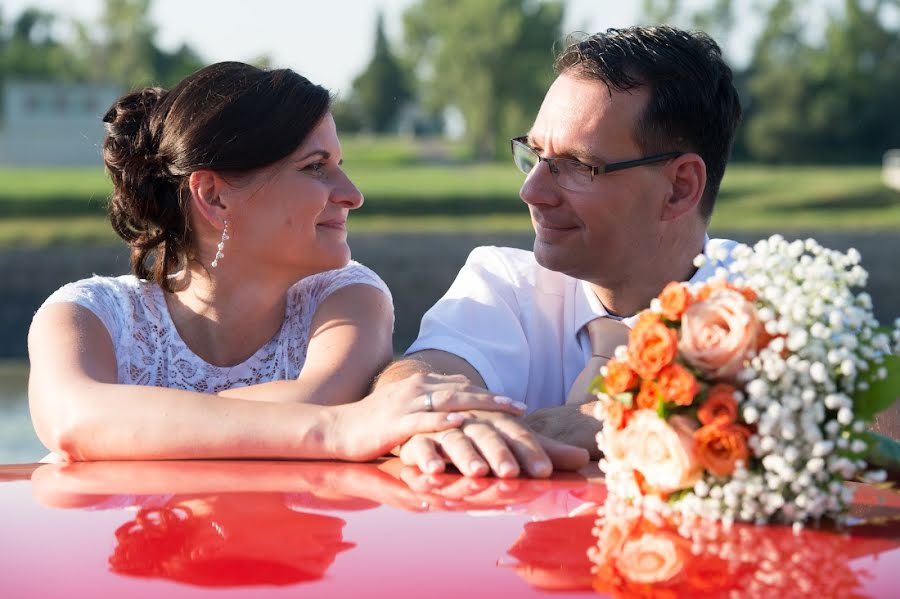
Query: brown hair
[[229, 117]]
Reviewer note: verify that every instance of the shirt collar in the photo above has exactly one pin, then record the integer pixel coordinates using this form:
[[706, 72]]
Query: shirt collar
[[588, 307]]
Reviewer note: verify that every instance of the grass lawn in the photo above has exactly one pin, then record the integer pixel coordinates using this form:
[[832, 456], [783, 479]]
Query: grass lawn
[[53, 206]]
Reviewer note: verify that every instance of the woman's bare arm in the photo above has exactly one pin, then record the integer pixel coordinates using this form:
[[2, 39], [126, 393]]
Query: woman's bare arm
[[350, 342]]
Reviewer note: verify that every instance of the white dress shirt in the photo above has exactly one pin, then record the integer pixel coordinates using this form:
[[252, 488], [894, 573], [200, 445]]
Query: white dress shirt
[[520, 325]]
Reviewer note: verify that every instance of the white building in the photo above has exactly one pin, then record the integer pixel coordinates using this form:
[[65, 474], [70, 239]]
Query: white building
[[45, 123]]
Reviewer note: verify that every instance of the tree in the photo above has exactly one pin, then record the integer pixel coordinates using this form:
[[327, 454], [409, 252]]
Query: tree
[[128, 48], [382, 89], [32, 52], [491, 59], [825, 100]]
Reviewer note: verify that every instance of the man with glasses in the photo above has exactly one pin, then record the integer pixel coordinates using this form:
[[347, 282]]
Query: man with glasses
[[622, 167]]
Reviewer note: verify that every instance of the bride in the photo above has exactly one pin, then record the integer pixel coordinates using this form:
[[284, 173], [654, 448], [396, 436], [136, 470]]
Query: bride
[[244, 330]]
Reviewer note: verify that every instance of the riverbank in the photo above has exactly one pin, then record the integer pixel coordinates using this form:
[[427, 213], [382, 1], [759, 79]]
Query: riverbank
[[418, 267]]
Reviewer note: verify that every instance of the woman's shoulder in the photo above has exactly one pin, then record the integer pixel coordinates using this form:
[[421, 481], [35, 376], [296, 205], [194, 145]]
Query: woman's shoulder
[[99, 289], [322, 284]]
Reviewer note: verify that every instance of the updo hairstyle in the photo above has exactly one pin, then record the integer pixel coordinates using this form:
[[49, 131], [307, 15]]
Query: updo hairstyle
[[229, 117]]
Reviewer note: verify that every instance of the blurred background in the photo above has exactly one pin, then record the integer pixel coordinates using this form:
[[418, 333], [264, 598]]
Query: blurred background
[[427, 95]]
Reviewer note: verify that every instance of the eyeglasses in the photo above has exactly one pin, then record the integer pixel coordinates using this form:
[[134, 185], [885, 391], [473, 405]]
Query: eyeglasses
[[572, 174]]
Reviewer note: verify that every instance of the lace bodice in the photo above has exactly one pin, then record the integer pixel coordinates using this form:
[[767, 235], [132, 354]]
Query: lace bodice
[[149, 350]]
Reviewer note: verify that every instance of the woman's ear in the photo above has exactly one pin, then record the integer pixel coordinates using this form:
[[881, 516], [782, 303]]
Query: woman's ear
[[207, 197], [688, 175]]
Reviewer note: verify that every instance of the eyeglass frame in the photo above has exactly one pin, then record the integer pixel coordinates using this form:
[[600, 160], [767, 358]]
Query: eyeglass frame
[[595, 170]]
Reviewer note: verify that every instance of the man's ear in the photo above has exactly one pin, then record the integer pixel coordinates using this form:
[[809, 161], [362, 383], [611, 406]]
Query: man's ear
[[207, 198], [688, 175]]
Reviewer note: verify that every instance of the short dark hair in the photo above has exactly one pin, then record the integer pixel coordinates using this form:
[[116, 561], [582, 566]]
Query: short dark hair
[[693, 103], [229, 117]]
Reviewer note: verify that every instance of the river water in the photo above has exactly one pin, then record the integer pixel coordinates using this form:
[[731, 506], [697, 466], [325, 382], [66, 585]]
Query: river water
[[18, 443]]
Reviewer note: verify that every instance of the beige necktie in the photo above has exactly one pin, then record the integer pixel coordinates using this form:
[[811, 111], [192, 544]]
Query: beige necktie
[[606, 334]]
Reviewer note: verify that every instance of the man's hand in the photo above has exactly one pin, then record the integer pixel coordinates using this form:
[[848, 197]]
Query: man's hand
[[489, 442], [572, 424]]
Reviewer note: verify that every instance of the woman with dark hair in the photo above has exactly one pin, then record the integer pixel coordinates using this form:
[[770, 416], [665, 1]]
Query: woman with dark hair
[[243, 307]]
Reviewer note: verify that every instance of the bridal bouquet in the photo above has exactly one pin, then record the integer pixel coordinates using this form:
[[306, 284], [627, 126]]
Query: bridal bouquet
[[748, 397]]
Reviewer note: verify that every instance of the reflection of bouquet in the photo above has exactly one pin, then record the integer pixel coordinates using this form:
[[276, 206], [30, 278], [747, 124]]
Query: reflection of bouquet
[[747, 397], [644, 554]]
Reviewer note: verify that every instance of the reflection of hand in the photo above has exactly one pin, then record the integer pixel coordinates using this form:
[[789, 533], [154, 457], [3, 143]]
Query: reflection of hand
[[393, 413], [492, 442], [465, 493], [573, 424]]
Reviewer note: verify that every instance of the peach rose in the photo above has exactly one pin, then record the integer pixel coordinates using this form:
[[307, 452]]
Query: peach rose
[[719, 406], [677, 384], [675, 298], [651, 558], [648, 397], [706, 290], [651, 345], [614, 415], [612, 533], [662, 453], [619, 377], [717, 335], [719, 446]]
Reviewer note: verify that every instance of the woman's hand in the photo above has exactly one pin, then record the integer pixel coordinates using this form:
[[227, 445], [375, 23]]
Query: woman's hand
[[422, 403]]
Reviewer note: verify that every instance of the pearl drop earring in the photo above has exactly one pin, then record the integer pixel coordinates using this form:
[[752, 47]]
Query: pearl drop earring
[[219, 254]]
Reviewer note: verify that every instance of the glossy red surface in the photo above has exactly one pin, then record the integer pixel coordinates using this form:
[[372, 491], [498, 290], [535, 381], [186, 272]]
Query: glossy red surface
[[260, 529]]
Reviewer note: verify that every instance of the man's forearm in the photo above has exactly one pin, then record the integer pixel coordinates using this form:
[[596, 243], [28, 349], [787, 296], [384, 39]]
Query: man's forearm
[[428, 362], [402, 369], [572, 424]]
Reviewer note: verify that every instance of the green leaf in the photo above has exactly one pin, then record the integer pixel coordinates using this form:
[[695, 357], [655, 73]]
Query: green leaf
[[881, 451], [597, 386], [678, 496], [662, 409], [624, 398], [881, 394]]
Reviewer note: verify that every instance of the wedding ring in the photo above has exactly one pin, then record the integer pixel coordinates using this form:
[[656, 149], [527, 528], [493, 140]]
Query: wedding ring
[[429, 404]]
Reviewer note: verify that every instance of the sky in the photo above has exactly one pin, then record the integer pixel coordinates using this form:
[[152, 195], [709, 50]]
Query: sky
[[329, 41]]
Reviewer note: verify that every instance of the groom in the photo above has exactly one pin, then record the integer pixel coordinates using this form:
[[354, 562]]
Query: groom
[[623, 165]]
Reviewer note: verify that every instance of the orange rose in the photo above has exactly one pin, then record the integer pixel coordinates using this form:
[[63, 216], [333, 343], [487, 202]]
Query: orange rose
[[646, 318], [719, 446], [675, 298], [720, 405], [651, 345], [719, 334], [677, 384], [648, 397], [619, 377]]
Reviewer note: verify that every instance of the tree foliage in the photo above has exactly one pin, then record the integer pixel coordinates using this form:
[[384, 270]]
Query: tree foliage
[[489, 58], [827, 100], [120, 48], [383, 88]]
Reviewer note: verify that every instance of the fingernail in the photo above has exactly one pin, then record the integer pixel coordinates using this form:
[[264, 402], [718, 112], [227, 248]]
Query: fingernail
[[477, 467], [434, 466], [455, 417], [541, 468], [502, 400], [519, 406], [507, 469]]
